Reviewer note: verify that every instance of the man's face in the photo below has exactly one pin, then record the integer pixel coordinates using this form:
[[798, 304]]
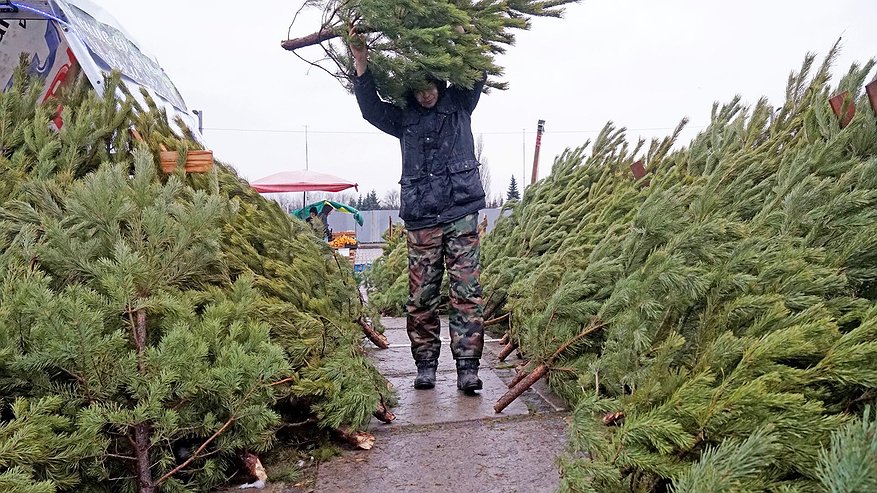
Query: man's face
[[427, 97]]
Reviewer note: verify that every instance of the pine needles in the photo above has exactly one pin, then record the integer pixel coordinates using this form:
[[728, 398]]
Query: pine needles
[[153, 327], [736, 285]]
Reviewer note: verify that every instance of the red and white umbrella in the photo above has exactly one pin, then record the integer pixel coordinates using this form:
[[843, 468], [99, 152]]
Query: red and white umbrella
[[302, 181]]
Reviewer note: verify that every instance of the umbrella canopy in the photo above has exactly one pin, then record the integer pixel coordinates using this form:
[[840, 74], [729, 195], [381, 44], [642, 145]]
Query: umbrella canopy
[[302, 181], [304, 211]]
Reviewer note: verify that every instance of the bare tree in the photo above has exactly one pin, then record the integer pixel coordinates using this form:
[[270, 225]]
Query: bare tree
[[287, 201], [346, 198], [485, 170], [391, 199], [495, 202]]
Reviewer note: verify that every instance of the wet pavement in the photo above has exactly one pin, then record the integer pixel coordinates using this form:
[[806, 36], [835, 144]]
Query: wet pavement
[[444, 441]]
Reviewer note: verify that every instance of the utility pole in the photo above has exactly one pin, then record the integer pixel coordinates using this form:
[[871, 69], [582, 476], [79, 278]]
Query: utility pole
[[306, 148], [523, 158], [304, 197], [540, 128]]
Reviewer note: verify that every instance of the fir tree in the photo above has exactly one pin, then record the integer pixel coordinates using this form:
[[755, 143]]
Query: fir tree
[[410, 39], [387, 280], [848, 465], [42, 448], [512, 193], [153, 326], [370, 202], [713, 328], [123, 255]]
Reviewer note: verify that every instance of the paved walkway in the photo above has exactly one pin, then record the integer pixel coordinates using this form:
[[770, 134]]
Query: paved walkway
[[444, 441]]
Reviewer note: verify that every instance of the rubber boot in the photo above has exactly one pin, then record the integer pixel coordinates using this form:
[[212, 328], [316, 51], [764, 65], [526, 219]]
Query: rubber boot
[[467, 375], [425, 374]]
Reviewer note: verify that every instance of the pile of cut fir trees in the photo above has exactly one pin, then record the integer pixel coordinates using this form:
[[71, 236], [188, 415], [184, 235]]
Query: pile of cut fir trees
[[712, 316], [155, 328], [387, 280]]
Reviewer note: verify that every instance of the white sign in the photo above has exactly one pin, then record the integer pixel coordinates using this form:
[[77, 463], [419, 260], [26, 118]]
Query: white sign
[[43, 43], [110, 48], [77, 34]]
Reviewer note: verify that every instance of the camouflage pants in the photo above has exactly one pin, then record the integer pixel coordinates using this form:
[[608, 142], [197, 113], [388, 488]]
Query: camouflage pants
[[455, 245]]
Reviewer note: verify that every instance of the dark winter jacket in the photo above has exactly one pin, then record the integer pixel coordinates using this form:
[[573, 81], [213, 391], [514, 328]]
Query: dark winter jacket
[[440, 179]]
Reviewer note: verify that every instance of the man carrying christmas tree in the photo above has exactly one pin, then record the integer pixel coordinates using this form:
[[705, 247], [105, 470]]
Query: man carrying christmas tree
[[441, 195]]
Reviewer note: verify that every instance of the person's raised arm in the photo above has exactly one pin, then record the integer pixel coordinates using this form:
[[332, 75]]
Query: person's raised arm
[[381, 114], [472, 96]]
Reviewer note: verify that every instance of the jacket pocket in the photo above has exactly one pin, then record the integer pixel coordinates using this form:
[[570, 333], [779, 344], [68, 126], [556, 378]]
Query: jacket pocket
[[416, 199], [465, 182]]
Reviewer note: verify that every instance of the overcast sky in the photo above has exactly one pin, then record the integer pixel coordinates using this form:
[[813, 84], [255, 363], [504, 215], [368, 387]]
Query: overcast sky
[[643, 64]]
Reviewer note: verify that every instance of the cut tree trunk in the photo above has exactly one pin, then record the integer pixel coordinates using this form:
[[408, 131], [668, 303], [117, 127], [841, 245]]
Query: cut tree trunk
[[358, 439], [541, 370], [383, 413], [309, 40], [497, 320], [488, 309], [519, 375], [519, 389], [254, 467], [378, 339], [324, 34], [507, 350], [142, 431]]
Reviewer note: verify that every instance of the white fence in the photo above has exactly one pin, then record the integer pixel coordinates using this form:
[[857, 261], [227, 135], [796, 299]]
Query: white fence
[[375, 223]]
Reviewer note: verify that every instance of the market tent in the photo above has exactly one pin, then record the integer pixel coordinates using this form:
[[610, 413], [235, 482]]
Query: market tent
[[303, 212], [302, 181]]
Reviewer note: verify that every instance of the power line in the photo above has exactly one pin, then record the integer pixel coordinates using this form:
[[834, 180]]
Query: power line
[[363, 132]]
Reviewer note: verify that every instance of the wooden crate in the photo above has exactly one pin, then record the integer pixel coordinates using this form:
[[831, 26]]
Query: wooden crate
[[196, 161]]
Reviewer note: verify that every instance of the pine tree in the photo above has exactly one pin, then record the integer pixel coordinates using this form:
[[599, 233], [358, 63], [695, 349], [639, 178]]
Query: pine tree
[[148, 366], [151, 327], [848, 465], [713, 325], [387, 280], [370, 202], [512, 193], [42, 448], [410, 39]]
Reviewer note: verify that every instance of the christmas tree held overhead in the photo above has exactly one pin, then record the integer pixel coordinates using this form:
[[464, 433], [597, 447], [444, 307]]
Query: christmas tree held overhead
[[410, 39]]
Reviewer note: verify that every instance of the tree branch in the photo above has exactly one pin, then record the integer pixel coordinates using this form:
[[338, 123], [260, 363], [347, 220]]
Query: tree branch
[[594, 326], [285, 380], [497, 320], [197, 453]]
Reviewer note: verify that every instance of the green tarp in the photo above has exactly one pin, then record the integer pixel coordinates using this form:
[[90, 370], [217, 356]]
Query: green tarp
[[303, 212]]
